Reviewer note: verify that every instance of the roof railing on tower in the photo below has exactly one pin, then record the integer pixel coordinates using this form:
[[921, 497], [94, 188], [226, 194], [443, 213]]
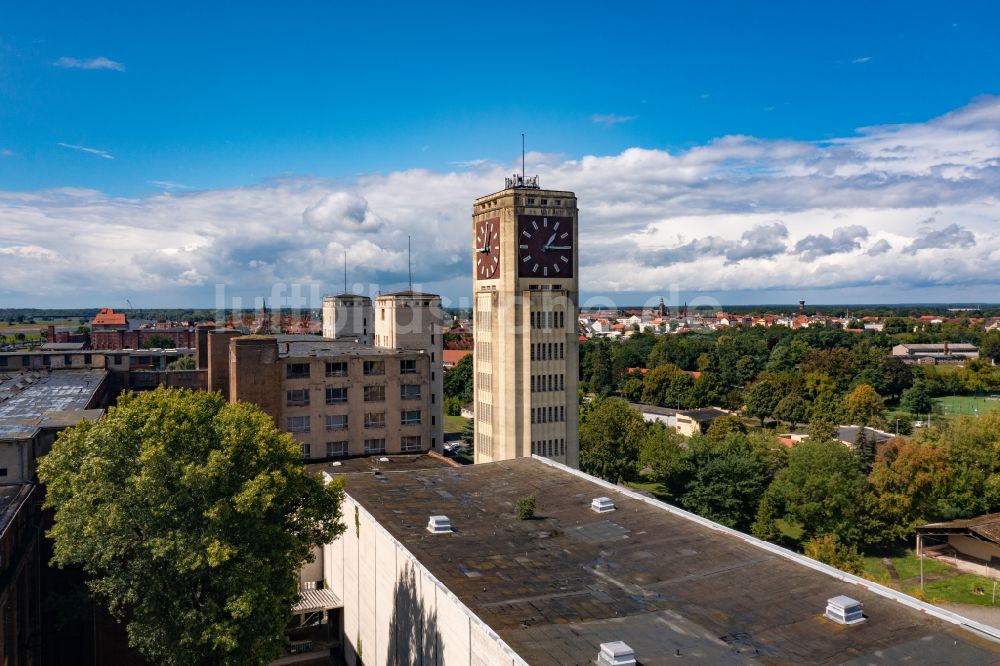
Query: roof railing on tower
[[519, 181]]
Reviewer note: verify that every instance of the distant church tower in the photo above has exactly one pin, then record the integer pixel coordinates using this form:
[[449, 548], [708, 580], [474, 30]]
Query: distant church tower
[[525, 283]]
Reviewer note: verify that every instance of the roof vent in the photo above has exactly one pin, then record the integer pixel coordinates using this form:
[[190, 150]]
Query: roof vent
[[615, 653], [383, 459], [336, 463], [603, 505], [439, 525], [844, 610]]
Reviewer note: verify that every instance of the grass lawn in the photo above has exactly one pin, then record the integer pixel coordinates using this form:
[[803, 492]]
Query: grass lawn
[[942, 583], [655, 487], [952, 405], [455, 423]]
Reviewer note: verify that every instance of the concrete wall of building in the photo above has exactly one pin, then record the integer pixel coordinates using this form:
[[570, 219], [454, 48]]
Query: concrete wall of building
[[255, 373], [201, 342], [147, 380], [17, 459], [409, 320], [348, 317], [395, 611], [218, 360], [981, 550]]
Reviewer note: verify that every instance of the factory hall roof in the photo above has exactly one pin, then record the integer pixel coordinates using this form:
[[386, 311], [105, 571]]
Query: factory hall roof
[[29, 400], [667, 583]]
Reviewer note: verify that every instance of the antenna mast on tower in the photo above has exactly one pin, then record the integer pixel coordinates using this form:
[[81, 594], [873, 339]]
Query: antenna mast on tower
[[522, 157], [345, 271], [409, 263]]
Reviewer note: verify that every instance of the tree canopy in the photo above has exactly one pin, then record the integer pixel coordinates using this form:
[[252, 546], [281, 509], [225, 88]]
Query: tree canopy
[[192, 517]]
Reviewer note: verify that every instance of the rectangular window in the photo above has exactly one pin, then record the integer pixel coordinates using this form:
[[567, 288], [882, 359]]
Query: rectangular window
[[296, 370], [375, 445], [336, 422], [408, 366], [336, 395], [298, 424], [409, 417], [336, 449], [409, 391], [297, 397], [3, 361], [336, 369], [87, 359], [409, 443], [375, 393], [374, 367], [375, 420], [306, 451]]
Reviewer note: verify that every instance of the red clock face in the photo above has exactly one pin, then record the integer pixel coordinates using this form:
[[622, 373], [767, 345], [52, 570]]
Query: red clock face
[[487, 249], [544, 246]]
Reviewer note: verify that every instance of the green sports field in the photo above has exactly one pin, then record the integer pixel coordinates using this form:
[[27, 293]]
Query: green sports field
[[968, 405]]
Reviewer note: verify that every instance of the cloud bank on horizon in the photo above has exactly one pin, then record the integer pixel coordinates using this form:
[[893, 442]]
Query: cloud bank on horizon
[[894, 207]]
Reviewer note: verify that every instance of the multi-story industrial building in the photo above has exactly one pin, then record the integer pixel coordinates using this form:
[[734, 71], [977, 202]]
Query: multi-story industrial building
[[525, 283], [337, 398]]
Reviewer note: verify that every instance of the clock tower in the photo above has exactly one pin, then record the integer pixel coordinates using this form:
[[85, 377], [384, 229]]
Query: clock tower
[[525, 299]]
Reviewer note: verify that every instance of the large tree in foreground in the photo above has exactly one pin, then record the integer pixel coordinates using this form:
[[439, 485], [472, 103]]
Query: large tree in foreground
[[192, 517]]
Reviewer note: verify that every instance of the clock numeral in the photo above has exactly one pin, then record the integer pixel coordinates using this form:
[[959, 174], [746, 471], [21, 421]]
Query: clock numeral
[[545, 222], [527, 259], [545, 271], [556, 266], [534, 223], [565, 233], [555, 227], [565, 260], [534, 269], [523, 247], [526, 234]]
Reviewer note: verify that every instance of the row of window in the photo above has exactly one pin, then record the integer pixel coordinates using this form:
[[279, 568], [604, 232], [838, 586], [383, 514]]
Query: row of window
[[339, 449], [548, 351], [338, 395], [541, 383], [339, 368], [549, 447], [340, 421], [548, 319], [551, 414]]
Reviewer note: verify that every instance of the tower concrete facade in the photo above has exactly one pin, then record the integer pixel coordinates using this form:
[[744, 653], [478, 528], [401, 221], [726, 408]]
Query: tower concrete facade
[[412, 320], [348, 317], [525, 284]]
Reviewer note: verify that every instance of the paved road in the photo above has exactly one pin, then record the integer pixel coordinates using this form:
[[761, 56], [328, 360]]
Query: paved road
[[986, 614]]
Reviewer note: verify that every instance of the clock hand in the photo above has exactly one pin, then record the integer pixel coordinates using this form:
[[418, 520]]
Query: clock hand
[[548, 243], [560, 247], [484, 249]]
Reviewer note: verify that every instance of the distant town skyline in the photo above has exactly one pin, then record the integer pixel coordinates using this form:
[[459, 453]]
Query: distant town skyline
[[838, 155]]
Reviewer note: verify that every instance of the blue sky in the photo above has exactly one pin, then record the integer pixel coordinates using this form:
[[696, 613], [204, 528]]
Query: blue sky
[[180, 104]]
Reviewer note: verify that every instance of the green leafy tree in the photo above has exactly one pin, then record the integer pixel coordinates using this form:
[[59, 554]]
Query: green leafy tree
[[909, 481], [632, 389], [601, 374], [727, 480], [192, 517], [185, 363], [864, 406], [452, 406], [524, 508], [727, 425], [822, 490], [611, 434], [667, 386], [661, 455], [761, 400], [827, 549], [458, 380], [157, 341], [917, 399], [793, 409]]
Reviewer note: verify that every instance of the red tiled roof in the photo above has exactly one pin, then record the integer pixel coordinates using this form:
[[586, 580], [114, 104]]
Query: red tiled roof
[[454, 355], [108, 317]]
